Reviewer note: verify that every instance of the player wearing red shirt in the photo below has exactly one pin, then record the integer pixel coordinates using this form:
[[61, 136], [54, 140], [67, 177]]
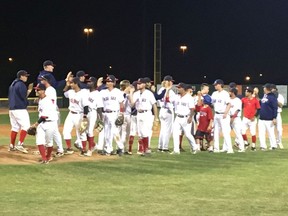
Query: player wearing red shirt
[[205, 122], [251, 108]]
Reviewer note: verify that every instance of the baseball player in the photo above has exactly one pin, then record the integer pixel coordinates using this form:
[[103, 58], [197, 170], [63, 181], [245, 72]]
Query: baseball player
[[95, 106], [221, 103], [112, 107], [144, 101], [166, 115], [279, 128], [205, 121], [46, 124], [125, 128], [184, 109], [267, 118], [235, 116], [18, 114], [78, 109], [50, 92], [49, 66], [251, 108]]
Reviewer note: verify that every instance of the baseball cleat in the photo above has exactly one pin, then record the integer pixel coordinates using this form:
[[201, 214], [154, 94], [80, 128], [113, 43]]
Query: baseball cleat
[[88, 153], [69, 151], [263, 149], [77, 146], [21, 149], [11, 148], [280, 145], [241, 150], [59, 154], [174, 153], [272, 148], [230, 152], [44, 162]]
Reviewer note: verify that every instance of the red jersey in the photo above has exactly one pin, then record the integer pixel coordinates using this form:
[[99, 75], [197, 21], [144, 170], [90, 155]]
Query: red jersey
[[250, 107], [206, 115]]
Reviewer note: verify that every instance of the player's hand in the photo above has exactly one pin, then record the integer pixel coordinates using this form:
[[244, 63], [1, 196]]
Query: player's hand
[[68, 76], [99, 81], [224, 116], [153, 88], [274, 121], [189, 120]]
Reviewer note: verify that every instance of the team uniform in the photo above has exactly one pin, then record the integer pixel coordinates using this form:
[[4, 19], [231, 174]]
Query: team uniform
[[143, 103], [166, 116], [279, 128], [94, 102], [220, 100], [250, 107], [182, 106], [77, 102], [18, 114], [46, 130], [236, 125], [50, 92], [125, 128], [268, 112], [111, 103]]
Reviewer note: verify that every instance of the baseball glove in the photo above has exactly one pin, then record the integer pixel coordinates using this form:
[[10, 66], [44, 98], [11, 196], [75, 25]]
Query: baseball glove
[[120, 120], [31, 131], [83, 125], [99, 126]]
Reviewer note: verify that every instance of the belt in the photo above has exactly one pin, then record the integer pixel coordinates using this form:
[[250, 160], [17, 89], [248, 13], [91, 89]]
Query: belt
[[182, 116], [74, 112], [48, 120], [142, 111], [109, 111], [165, 107], [219, 112]]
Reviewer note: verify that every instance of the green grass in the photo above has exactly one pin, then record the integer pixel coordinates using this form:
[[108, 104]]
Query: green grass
[[251, 183]]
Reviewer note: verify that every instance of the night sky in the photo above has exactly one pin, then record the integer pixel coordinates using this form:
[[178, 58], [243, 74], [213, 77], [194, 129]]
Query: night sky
[[226, 39]]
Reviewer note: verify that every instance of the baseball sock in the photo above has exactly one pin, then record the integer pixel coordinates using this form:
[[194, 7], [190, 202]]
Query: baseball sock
[[131, 140], [68, 143], [254, 139], [42, 152], [49, 152], [180, 141], [140, 143], [84, 144], [145, 141], [13, 136], [91, 142], [244, 137], [23, 134]]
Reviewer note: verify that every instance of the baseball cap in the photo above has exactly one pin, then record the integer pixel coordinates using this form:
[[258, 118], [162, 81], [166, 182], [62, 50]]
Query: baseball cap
[[168, 78], [47, 63], [45, 77], [249, 89], [40, 86], [207, 99], [81, 73], [141, 80], [92, 79], [218, 81], [268, 86], [134, 84], [22, 73], [111, 78], [148, 80], [234, 91], [182, 85], [273, 86], [232, 85]]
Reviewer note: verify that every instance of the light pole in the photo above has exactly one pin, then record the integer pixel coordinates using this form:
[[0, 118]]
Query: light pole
[[183, 48], [88, 31]]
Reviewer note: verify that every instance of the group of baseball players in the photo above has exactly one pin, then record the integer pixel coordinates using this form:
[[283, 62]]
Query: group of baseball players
[[99, 104]]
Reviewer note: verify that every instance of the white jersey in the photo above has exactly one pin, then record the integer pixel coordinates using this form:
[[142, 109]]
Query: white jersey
[[220, 101], [47, 108], [127, 104], [144, 100], [94, 99], [236, 104], [280, 99], [77, 100], [183, 105], [165, 102], [112, 99], [51, 93]]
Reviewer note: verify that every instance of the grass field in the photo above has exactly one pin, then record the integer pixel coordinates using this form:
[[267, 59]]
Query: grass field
[[251, 183]]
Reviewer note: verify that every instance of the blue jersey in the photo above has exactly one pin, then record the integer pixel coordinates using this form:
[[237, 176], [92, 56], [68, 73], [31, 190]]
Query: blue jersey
[[17, 95], [269, 106], [56, 84]]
